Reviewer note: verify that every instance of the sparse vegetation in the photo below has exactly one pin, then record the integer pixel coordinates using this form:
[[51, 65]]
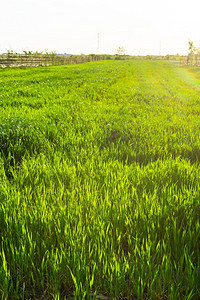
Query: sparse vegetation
[[99, 181]]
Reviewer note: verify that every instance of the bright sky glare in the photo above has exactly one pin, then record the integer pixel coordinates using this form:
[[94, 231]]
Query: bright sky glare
[[72, 26]]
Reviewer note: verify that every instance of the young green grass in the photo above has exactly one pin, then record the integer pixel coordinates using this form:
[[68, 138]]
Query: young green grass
[[99, 181]]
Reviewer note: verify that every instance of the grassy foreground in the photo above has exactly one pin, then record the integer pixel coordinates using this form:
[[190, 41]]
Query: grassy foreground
[[100, 182]]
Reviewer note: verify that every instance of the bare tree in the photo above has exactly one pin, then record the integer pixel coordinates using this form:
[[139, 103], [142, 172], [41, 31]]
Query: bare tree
[[191, 50], [120, 50]]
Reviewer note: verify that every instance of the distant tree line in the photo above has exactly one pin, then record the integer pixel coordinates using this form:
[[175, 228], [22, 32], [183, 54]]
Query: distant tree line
[[35, 59]]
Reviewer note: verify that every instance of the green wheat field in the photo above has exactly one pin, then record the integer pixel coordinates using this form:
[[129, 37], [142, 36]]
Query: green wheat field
[[100, 181]]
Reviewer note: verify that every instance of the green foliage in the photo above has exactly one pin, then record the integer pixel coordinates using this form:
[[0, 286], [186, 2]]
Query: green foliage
[[99, 181]]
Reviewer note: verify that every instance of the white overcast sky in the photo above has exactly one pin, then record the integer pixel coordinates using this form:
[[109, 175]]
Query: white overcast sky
[[71, 26]]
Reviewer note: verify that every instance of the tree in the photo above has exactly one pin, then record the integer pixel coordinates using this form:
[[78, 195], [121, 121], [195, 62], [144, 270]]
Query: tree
[[197, 54], [120, 50], [191, 50]]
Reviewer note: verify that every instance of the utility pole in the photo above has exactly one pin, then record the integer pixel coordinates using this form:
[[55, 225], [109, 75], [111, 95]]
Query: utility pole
[[97, 43], [160, 48]]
